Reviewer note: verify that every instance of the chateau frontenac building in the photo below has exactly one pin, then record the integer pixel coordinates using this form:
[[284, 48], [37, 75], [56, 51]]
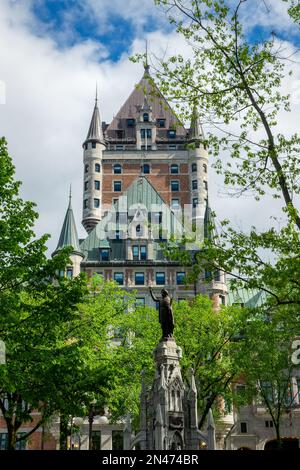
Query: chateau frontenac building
[[145, 180]]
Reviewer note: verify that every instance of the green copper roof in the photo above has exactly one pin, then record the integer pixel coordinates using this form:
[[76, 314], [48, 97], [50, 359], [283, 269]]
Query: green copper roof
[[141, 195], [68, 234], [251, 298]]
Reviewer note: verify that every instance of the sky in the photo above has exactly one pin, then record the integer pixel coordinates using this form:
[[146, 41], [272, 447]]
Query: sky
[[53, 52]]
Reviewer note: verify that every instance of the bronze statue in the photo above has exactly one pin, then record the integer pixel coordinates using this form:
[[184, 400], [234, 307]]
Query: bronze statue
[[166, 319]]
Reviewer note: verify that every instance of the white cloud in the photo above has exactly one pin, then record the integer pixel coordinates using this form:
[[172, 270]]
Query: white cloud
[[49, 101]]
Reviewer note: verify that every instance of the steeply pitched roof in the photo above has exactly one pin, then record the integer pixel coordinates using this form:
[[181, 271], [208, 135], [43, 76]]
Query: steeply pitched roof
[[146, 88], [141, 194], [95, 129], [68, 234], [196, 131]]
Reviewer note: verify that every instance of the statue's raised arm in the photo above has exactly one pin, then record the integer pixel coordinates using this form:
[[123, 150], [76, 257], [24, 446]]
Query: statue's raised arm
[[152, 295]]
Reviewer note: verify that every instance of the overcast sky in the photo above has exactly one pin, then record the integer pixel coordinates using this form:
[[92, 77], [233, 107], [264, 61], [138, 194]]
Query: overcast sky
[[53, 52]]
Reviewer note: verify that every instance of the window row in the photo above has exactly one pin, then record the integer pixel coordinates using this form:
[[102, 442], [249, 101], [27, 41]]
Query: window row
[[96, 185], [90, 145], [160, 122], [97, 168], [121, 147], [195, 184], [96, 203], [204, 167], [117, 168], [139, 278]]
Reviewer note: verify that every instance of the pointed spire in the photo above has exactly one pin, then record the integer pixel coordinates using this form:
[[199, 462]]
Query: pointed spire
[[68, 234], [193, 388], [95, 130], [210, 420], [146, 64], [196, 132]]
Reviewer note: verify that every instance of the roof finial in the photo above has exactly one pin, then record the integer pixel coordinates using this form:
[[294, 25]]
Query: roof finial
[[96, 97], [70, 195], [146, 64]]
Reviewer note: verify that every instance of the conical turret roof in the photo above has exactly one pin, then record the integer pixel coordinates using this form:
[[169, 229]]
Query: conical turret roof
[[68, 234], [95, 130]]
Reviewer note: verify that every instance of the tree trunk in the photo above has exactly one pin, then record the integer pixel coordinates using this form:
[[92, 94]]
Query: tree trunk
[[63, 435]]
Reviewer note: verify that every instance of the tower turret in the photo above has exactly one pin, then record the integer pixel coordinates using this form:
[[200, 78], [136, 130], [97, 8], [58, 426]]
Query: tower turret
[[93, 148], [198, 165], [68, 237]]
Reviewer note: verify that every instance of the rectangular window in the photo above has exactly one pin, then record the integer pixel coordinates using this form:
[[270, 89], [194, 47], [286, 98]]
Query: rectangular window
[[175, 204], [69, 273], [243, 427], [146, 133], [222, 299], [140, 302], [119, 278], [3, 440], [97, 185], [195, 202], [118, 235], [86, 185], [180, 277], [96, 440], [117, 186], [194, 184], [104, 254], [85, 204], [119, 147], [96, 203], [93, 145], [205, 185], [21, 445], [143, 252], [160, 279], [172, 147], [160, 122], [139, 279], [175, 185], [130, 122], [171, 133], [135, 252]]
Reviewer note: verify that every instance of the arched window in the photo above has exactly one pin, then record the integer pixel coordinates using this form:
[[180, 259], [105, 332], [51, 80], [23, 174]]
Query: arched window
[[146, 117], [174, 168], [194, 166], [204, 167], [117, 169], [146, 168], [97, 167], [86, 168]]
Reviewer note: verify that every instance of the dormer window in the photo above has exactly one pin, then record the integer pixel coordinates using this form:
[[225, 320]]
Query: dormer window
[[171, 133], [130, 122], [146, 117], [161, 122]]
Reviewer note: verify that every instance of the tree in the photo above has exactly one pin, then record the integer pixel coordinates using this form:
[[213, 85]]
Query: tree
[[57, 353], [234, 83], [264, 354]]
